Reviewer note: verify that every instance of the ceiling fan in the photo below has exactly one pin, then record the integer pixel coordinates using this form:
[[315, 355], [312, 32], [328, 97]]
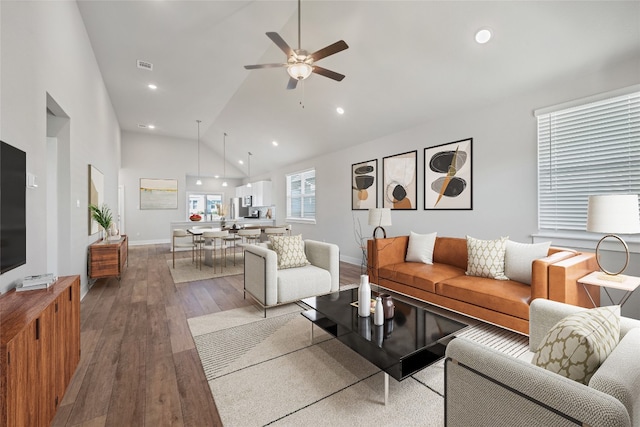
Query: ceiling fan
[[300, 64]]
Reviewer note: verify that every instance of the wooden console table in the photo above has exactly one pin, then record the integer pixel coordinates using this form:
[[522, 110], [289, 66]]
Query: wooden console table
[[40, 350], [108, 258]]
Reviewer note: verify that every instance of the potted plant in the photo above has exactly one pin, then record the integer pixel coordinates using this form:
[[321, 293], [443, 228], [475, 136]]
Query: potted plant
[[103, 216]]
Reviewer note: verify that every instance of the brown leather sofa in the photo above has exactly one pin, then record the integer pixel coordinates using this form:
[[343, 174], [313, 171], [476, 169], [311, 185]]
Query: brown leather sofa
[[502, 302]]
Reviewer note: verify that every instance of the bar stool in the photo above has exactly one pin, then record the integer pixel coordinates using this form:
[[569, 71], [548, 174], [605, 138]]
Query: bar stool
[[214, 240], [179, 241]]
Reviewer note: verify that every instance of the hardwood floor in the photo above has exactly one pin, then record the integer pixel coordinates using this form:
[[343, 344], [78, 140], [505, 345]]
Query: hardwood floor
[[139, 365]]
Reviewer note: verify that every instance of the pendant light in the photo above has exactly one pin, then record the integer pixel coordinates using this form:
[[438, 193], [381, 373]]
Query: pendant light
[[249, 168], [198, 181], [224, 164]]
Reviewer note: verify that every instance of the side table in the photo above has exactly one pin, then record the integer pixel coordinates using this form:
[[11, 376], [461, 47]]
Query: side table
[[628, 284]]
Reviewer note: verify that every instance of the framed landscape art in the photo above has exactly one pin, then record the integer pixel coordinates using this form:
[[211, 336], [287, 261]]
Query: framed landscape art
[[447, 176], [399, 187], [364, 185], [158, 193]]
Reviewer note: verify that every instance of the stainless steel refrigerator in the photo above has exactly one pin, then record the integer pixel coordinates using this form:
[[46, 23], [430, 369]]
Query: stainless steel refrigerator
[[238, 211]]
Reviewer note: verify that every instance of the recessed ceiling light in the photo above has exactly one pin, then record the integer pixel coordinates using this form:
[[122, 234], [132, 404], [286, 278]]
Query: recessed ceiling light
[[216, 176], [152, 86], [151, 126], [483, 35], [241, 162], [340, 110], [275, 143]]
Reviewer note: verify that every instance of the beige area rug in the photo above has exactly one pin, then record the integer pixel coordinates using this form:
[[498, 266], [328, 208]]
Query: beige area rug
[[267, 372], [186, 270]]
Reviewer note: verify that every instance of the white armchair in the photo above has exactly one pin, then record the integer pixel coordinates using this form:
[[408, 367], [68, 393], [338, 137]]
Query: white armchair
[[486, 387], [270, 286]]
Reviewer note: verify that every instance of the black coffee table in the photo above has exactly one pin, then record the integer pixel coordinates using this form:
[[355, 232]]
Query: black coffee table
[[415, 338]]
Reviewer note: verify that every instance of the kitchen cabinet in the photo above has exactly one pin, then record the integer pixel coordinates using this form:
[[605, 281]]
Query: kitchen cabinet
[[261, 193], [40, 350]]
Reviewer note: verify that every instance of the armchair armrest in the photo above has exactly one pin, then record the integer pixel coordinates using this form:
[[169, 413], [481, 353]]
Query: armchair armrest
[[326, 256], [260, 273], [484, 386], [619, 375]]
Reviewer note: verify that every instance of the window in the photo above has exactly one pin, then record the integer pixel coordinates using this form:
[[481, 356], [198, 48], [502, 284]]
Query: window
[[593, 148], [207, 205], [301, 196]]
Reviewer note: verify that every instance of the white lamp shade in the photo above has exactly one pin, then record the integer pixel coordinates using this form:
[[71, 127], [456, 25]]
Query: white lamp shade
[[380, 217], [613, 214], [300, 70]]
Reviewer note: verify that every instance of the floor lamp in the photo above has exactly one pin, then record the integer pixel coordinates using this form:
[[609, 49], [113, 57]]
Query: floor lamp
[[613, 214]]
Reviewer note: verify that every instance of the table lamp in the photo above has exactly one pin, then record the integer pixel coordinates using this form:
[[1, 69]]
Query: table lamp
[[379, 217], [613, 214]]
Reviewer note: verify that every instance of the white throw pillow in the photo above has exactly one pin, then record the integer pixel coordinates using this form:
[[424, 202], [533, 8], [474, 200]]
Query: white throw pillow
[[420, 248], [518, 258], [486, 257], [578, 344]]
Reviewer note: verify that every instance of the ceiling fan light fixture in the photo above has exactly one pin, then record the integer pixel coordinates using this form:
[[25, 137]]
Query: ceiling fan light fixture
[[299, 70]]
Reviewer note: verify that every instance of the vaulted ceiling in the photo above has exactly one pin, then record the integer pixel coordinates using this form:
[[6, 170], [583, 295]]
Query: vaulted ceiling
[[408, 62]]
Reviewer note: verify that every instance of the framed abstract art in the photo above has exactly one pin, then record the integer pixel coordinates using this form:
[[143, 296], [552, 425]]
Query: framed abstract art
[[447, 176], [399, 187], [364, 184]]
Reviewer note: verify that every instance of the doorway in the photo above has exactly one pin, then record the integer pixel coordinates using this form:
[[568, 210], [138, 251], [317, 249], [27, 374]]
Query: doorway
[[58, 190]]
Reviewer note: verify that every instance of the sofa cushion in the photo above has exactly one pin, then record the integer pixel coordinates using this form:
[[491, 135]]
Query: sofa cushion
[[578, 344], [504, 296], [519, 257], [290, 251], [303, 282], [418, 275], [420, 248], [451, 251], [486, 257]]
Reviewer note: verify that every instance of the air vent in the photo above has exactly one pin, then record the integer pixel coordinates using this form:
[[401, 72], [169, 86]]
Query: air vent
[[145, 65], [141, 126]]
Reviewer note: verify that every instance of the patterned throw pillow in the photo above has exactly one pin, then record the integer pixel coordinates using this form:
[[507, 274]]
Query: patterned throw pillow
[[578, 344], [290, 251], [486, 257]]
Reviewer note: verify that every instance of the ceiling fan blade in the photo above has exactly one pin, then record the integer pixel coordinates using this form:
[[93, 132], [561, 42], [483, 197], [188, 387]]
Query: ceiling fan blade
[[275, 37], [254, 67], [292, 83], [338, 46], [328, 73]]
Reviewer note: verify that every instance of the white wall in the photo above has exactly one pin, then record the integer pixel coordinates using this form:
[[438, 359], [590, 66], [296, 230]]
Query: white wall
[[45, 49], [145, 155], [504, 171]]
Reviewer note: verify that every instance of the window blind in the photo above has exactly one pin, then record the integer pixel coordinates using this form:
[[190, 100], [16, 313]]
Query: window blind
[[584, 150]]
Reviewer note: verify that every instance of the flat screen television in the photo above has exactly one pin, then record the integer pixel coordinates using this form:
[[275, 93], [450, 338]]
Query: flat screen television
[[13, 224]]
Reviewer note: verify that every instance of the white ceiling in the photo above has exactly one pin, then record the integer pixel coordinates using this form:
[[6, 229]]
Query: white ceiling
[[408, 62]]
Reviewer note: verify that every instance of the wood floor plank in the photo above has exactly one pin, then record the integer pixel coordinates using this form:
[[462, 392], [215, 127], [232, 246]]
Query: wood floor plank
[[138, 365], [163, 406], [198, 407]]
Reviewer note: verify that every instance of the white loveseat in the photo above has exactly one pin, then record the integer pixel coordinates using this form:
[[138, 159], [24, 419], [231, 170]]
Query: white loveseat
[[485, 387], [270, 286]]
